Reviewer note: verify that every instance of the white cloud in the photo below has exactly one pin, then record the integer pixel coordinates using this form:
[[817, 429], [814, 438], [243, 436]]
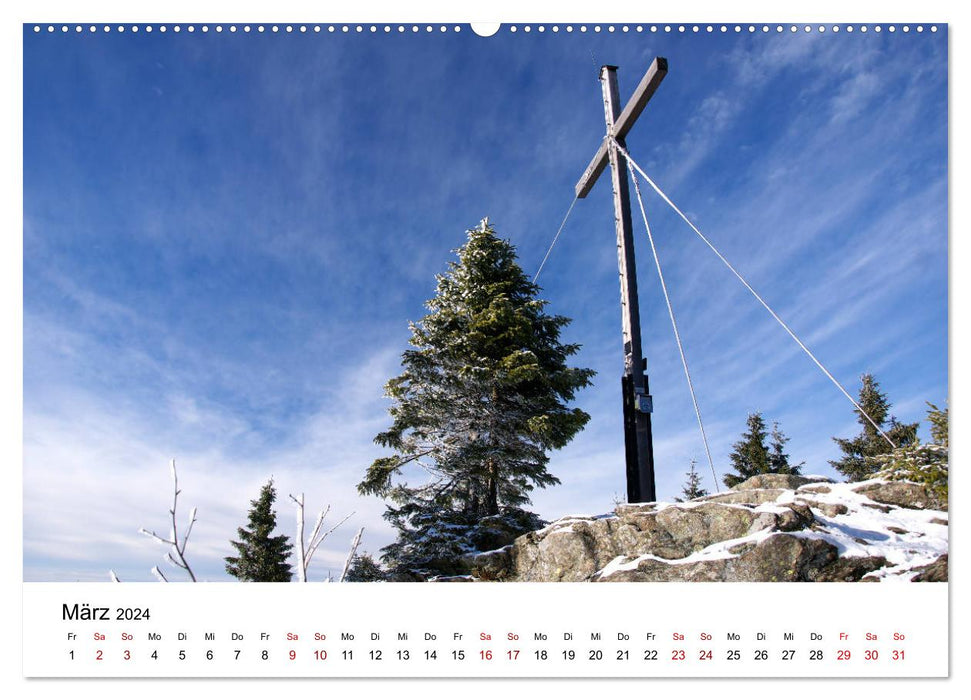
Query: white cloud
[[95, 472]]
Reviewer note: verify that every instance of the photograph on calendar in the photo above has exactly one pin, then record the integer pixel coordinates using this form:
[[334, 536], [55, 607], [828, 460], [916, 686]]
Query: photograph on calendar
[[521, 303]]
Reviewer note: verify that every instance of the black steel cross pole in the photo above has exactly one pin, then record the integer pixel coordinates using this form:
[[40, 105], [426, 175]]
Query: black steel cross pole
[[637, 401]]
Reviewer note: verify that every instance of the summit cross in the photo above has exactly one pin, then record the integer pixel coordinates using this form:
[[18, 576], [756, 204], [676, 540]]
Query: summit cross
[[637, 402]]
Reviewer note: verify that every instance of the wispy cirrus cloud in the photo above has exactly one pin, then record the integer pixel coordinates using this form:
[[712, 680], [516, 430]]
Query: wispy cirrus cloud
[[112, 477], [224, 242]]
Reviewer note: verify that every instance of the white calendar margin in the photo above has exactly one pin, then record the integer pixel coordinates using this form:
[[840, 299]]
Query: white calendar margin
[[422, 10]]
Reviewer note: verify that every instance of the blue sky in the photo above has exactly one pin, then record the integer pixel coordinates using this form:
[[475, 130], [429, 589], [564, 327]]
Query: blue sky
[[225, 236]]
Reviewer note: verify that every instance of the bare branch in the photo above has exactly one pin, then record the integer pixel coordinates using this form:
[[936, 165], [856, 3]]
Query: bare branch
[[177, 554], [114, 576], [157, 538], [192, 520], [306, 548], [301, 559], [159, 575], [350, 555], [314, 545], [319, 523]]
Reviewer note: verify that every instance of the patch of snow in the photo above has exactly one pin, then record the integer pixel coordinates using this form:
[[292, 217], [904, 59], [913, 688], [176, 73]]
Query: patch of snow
[[778, 507], [865, 532], [860, 532], [719, 550]]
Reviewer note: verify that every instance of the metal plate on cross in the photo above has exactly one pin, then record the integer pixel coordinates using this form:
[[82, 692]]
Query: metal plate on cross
[[644, 403]]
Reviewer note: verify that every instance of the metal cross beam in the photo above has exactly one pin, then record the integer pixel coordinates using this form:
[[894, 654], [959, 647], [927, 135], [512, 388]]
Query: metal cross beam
[[637, 401]]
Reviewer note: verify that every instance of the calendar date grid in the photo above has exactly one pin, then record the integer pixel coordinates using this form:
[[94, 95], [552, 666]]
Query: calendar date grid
[[424, 631]]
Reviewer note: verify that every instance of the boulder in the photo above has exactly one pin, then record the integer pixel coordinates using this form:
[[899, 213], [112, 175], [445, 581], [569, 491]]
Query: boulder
[[781, 557], [814, 487], [745, 497], [778, 481], [933, 572], [574, 550], [904, 494], [794, 516], [570, 553], [492, 566], [852, 569], [830, 510], [682, 531]]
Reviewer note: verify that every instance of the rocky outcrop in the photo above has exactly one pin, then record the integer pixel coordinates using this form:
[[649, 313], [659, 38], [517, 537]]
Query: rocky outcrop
[[935, 571], [772, 527], [901, 493]]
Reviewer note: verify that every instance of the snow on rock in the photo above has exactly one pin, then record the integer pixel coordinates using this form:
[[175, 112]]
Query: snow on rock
[[772, 527]]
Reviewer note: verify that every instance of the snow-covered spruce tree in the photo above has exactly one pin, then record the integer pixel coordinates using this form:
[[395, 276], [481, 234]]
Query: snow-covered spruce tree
[[261, 557], [858, 462], [482, 399], [692, 488]]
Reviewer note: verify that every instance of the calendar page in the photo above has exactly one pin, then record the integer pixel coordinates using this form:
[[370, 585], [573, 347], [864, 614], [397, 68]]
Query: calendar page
[[516, 350]]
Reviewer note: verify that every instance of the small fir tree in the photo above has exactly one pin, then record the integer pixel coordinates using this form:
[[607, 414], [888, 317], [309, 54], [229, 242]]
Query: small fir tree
[[262, 557], [749, 456], [364, 568], [858, 462], [778, 457], [923, 464], [483, 397], [939, 425], [692, 486]]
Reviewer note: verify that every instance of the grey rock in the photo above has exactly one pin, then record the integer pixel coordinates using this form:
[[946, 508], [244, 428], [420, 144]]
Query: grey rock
[[635, 508], [830, 510], [656, 539], [777, 481], [877, 506], [693, 529], [574, 550], [814, 488], [796, 516], [781, 557], [571, 553], [934, 572], [493, 566], [904, 494], [745, 497], [851, 569]]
